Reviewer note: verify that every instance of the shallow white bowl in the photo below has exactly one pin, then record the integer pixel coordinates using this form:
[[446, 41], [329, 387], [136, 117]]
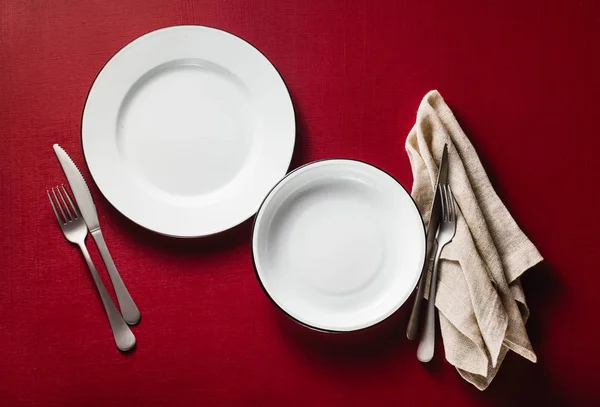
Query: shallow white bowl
[[338, 245]]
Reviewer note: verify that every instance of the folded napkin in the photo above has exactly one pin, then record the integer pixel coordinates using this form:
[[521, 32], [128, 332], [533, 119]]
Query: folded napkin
[[480, 300]]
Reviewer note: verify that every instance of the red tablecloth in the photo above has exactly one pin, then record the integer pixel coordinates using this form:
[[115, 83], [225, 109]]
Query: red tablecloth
[[523, 79]]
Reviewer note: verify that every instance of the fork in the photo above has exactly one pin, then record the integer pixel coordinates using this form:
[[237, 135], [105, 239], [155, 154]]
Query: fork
[[73, 226], [445, 234]]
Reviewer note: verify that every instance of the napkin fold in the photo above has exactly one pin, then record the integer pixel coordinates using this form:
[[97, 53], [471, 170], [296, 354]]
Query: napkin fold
[[481, 303]]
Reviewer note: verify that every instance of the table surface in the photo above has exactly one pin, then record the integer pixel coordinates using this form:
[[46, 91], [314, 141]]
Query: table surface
[[523, 80]]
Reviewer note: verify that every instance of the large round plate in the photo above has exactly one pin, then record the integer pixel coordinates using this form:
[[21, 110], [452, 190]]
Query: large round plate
[[186, 129], [338, 245]]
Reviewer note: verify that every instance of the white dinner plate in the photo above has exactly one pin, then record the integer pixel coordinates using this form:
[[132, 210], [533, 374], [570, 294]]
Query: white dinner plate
[[338, 245], [186, 129]]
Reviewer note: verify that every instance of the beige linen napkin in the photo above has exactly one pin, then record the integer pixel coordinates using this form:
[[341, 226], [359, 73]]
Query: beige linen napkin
[[480, 300]]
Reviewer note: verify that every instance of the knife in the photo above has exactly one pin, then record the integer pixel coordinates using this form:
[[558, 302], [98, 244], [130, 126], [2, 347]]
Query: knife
[[434, 221], [131, 313]]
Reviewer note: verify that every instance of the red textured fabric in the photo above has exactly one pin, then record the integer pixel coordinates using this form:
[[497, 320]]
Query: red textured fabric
[[522, 78]]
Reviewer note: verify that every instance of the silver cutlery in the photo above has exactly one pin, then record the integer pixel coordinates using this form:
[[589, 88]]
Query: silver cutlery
[[75, 231], [412, 331], [131, 313], [445, 234]]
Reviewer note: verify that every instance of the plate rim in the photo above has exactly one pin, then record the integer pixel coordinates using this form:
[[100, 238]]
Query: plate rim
[[114, 54], [272, 300]]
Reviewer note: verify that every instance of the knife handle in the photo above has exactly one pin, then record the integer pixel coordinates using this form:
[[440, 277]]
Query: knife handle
[[412, 332], [131, 313], [123, 336]]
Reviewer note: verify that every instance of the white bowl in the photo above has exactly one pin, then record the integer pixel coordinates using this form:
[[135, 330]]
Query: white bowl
[[338, 245]]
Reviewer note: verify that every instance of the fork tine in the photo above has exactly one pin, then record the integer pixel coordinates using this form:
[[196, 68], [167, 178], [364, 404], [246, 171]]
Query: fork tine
[[73, 206], [444, 200], [59, 206], [60, 221], [448, 210], [71, 217], [452, 205]]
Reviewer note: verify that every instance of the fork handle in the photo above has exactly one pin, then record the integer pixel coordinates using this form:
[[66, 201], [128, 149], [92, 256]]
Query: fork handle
[[426, 347], [130, 311], [123, 335]]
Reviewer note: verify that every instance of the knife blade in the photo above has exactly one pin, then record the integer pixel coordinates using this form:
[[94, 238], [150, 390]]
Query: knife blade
[[412, 330], [83, 197], [80, 189]]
